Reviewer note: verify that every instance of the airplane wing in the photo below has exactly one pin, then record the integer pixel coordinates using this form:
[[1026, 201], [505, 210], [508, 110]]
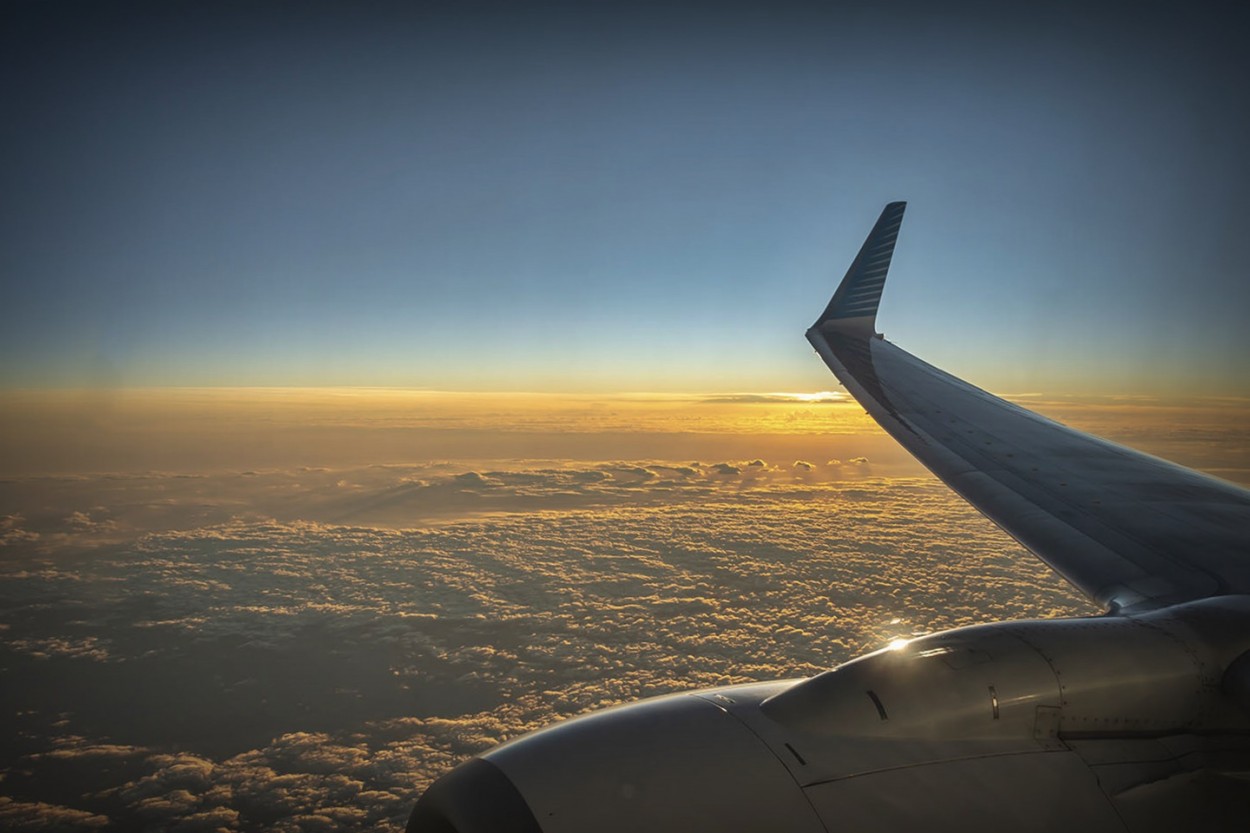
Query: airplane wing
[[1129, 530]]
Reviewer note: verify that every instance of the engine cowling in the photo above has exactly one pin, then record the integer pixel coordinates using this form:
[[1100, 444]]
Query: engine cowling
[[974, 728], [679, 762], [1030, 680]]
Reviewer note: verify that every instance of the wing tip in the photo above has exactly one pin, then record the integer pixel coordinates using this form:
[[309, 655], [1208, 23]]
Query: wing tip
[[854, 304]]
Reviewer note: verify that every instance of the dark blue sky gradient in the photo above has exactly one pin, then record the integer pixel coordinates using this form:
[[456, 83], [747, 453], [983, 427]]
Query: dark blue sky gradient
[[613, 197]]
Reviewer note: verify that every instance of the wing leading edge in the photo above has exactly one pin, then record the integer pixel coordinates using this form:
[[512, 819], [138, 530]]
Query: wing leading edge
[[1129, 530]]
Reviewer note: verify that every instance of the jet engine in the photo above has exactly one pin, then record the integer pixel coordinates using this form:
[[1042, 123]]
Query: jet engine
[[968, 729]]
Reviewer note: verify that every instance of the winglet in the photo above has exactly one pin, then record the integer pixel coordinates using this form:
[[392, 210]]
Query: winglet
[[854, 305]]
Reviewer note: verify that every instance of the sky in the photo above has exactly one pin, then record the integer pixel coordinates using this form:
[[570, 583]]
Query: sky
[[619, 197]]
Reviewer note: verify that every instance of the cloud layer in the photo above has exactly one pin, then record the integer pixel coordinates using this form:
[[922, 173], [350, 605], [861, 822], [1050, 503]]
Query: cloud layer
[[241, 669], [250, 624]]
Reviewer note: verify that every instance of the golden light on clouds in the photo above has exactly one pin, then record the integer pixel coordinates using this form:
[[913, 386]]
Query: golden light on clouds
[[221, 429], [224, 429], [274, 671], [397, 408], [290, 609]]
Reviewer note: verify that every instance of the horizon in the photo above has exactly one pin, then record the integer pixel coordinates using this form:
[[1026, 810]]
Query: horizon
[[45, 431]]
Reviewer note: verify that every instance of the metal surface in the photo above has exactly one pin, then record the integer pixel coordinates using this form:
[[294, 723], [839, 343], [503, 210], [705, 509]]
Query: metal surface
[[1037, 792], [1129, 530], [674, 763]]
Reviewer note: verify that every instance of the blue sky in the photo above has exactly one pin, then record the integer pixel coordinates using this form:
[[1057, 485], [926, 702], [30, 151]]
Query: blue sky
[[612, 197]]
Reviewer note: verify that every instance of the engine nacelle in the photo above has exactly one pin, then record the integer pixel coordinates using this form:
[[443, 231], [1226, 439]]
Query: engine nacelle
[[671, 763], [1033, 680], [983, 726]]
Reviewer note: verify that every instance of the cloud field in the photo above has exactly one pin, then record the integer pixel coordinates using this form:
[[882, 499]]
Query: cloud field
[[306, 646]]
